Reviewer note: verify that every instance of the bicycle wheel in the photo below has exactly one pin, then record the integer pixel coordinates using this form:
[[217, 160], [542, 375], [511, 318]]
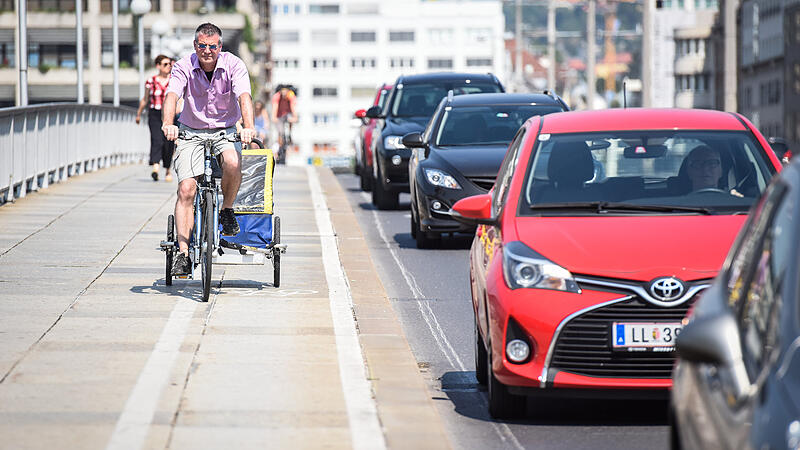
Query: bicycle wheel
[[276, 252], [207, 244], [170, 250]]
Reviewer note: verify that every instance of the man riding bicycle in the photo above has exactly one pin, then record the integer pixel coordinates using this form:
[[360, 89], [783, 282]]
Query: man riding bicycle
[[284, 104], [215, 87]]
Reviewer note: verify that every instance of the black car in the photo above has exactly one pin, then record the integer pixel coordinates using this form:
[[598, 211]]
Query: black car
[[737, 381], [459, 153], [408, 109]]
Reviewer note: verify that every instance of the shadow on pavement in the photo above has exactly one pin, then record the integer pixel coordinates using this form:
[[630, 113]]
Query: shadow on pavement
[[469, 399], [457, 242], [189, 289]]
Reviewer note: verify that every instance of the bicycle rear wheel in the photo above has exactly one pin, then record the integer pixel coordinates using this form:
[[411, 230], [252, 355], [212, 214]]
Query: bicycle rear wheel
[[276, 252], [170, 251], [207, 244]]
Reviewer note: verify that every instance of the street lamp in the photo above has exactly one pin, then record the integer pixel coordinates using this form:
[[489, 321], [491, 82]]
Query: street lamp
[[159, 28], [139, 8]]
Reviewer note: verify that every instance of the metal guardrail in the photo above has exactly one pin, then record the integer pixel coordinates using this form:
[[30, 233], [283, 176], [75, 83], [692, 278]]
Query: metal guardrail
[[45, 144]]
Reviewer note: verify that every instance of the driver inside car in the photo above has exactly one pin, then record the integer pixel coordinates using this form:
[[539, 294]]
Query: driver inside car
[[704, 168]]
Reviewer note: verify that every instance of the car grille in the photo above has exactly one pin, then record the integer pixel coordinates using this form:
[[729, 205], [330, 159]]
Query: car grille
[[483, 183], [584, 344]]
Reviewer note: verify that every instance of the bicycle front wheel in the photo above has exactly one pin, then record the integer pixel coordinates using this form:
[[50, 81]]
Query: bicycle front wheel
[[207, 244]]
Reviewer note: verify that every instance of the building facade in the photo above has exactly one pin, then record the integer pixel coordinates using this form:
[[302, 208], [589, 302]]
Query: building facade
[[681, 68], [337, 53], [769, 67], [52, 50]]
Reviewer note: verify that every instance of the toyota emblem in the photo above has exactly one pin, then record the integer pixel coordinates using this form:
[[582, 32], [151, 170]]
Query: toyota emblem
[[667, 289]]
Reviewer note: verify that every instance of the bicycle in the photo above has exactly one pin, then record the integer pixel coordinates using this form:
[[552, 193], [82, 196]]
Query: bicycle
[[205, 239], [284, 138]]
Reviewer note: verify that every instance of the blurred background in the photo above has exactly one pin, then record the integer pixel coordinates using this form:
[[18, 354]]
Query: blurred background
[[720, 54]]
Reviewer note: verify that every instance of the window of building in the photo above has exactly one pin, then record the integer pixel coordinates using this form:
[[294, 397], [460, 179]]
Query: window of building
[[323, 8], [285, 36], [324, 63], [440, 35], [362, 8], [362, 36], [324, 92], [363, 63], [362, 91], [8, 55], [328, 118], [477, 62], [286, 63], [479, 35], [401, 63], [286, 9], [401, 36], [325, 37], [440, 63]]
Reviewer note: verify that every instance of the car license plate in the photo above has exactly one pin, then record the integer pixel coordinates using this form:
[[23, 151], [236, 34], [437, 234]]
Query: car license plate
[[645, 336]]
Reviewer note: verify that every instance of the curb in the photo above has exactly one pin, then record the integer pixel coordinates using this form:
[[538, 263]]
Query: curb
[[405, 409]]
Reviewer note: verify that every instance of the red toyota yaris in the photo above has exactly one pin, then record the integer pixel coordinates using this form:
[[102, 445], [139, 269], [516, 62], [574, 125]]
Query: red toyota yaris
[[601, 230]]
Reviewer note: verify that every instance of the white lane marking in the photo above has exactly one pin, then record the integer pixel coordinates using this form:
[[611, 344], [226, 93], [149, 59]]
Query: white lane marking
[[503, 431], [365, 429], [134, 422]]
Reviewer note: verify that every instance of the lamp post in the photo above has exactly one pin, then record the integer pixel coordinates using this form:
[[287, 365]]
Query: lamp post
[[139, 8], [115, 46]]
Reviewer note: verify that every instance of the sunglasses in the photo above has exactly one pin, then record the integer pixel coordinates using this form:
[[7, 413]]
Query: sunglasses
[[210, 46], [167, 63]]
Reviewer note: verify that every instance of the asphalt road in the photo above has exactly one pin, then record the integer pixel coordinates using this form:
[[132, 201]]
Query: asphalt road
[[429, 290]]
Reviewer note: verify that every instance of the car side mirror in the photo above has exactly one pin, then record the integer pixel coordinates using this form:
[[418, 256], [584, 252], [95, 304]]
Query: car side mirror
[[374, 112], [475, 210], [413, 140]]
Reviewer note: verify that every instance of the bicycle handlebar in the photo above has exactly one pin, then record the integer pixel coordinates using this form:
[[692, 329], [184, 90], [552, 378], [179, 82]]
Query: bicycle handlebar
[[235, 137]]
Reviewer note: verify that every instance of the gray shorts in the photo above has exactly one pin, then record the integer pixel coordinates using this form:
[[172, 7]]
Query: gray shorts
[[188, 160]]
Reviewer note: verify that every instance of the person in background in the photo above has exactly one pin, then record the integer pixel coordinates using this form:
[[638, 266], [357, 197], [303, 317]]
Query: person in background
[[284, 109], [261, 120], [155, 89]]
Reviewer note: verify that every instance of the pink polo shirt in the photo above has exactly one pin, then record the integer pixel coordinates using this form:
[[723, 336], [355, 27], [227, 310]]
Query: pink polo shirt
[[210, 104]]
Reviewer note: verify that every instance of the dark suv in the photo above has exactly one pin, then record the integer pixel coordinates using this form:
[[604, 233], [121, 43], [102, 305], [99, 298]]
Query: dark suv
[[408, 109]]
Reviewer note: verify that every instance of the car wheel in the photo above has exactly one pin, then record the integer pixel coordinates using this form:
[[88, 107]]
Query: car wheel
[[365, 179], [481, 357], [381, 197], [414, 227], [502, 404], [425, 239]]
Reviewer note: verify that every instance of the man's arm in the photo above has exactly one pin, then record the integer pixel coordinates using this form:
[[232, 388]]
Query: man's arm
[[246, 106], [168, 116]]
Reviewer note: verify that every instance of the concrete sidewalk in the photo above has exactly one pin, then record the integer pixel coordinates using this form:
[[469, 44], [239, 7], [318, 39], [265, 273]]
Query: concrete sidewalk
[[96, 352]]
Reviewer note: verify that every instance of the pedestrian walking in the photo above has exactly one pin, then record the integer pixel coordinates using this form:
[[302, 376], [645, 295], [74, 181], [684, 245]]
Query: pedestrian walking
[[155, 91]]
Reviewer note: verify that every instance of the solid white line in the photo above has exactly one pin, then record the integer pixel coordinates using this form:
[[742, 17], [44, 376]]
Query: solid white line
[[134, 422], [503, 431], [365, 429]]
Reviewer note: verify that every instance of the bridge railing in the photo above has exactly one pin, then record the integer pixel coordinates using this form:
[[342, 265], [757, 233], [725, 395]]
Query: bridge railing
[[48, 143]]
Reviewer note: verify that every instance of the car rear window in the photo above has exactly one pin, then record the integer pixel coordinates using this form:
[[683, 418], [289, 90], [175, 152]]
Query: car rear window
[[420, 100], [718, 171], [489, 124]]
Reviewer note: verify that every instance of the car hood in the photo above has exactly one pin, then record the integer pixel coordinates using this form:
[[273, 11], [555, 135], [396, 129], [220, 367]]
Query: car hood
[[400, 126], [474, 161], [633, 247]]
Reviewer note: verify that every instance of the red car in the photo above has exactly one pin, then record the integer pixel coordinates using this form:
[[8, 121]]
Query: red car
[[600, 232], [363, 165]]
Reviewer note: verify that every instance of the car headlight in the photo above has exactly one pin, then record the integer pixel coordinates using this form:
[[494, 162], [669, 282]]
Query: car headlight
[[439, 178], [393, 142], [525, 268]]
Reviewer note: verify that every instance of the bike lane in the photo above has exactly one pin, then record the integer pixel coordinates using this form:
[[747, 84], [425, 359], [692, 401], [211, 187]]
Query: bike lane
[[103, 354]]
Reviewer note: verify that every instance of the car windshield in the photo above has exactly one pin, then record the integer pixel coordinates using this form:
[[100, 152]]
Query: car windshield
[[645, 172], [484, 125], [420, 100]]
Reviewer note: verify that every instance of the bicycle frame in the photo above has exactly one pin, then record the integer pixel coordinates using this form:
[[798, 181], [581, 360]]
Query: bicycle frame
[[207, 183]]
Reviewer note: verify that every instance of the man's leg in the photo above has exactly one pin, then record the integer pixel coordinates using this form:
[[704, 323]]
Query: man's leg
[[231, 176], [184, 212]]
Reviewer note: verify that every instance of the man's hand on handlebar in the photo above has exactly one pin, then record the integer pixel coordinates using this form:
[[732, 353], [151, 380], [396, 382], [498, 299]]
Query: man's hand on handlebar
[[247, 135], [170, 132]]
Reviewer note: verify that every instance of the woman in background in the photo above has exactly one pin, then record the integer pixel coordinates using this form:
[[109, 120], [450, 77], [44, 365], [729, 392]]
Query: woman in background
[[155, 89]]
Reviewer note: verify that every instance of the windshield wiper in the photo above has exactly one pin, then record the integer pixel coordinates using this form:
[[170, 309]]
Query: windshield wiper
[[604, 207]]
